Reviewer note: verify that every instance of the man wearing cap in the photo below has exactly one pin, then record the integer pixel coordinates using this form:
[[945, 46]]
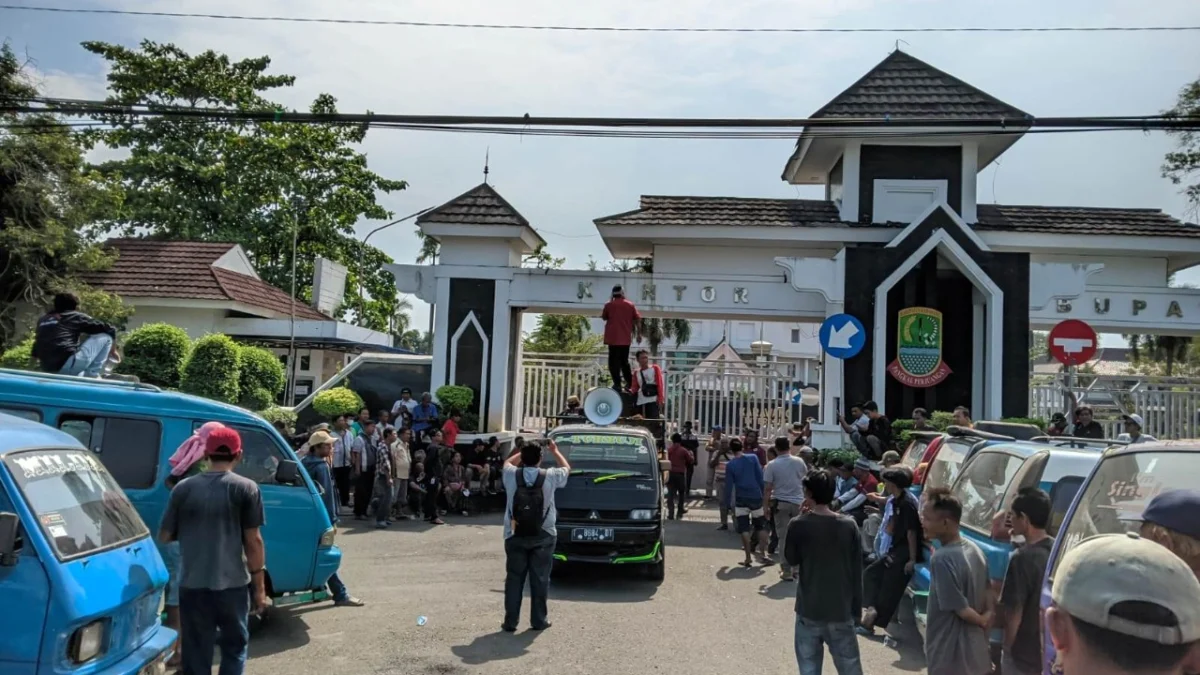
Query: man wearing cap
[[619, 314], [1123, 604], [1058, 425], [405, 401], [1171, 519], [1133, 430], [1086, 426], [216, 517], [320, 447]]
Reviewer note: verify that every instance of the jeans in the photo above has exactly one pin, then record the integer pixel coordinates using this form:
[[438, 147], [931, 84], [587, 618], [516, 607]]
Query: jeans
[[811, 638], [202, 612], [676, 491], [618, 366], [400, 495], [89, 359], [364, 485], [784, 512], [383, 499], [341, 478], [527, 557], [337, 589]]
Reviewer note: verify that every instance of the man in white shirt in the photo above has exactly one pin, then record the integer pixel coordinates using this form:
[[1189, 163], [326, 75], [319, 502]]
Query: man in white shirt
[[1133, 430], [530, 531], [784, 478], [405, 401], [343, 467]]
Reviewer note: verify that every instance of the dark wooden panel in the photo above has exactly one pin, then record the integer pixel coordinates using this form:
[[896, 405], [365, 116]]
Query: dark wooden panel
[[467, 296], [911, 162]]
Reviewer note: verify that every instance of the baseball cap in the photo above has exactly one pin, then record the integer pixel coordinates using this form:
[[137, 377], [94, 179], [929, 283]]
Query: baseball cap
[[1135, 418], [1058, 417], [321, 437], [1108, 569], [223, 441], [890, 456], [1175, 510]]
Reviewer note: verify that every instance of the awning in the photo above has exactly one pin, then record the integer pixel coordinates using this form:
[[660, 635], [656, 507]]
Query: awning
[[332, 344]]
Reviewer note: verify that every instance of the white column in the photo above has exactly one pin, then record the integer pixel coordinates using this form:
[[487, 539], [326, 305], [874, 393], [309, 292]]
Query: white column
[[994, 358], [827, 433], [970, 174], [498, 384], [516, 415], [440, 368], [851, 168]]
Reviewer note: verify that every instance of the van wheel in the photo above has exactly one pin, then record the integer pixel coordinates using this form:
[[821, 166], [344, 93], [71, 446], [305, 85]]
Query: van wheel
[[657, 571]]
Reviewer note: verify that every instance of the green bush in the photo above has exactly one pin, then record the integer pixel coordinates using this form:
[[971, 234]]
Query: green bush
[[337, 401], [1035, 421], [275, 414], [19, 357], [941, 419], [470, 422], [827, 455], [262, 377], [213, 369], [454, 397], [155, 353]]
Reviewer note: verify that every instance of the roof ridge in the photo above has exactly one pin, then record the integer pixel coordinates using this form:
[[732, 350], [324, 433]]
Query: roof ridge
[[429, 216]]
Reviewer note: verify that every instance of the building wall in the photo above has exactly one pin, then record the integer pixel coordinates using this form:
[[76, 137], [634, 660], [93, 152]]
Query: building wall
[[727, 260], [476, 252], [1129, 271], [196, 322], [908, 163]]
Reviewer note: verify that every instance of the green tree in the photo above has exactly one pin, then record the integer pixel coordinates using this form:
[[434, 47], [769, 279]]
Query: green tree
[[1167, 350], [429, 249], [260, 184], [541, 259], [47, 198], [420, 342], [563, 334], [1182, 166], [213, 369], [654, 330]]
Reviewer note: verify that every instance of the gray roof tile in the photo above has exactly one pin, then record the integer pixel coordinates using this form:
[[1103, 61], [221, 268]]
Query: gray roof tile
[[481, 205]]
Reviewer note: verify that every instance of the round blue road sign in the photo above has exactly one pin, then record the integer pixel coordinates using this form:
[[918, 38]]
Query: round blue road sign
[[842, 336]]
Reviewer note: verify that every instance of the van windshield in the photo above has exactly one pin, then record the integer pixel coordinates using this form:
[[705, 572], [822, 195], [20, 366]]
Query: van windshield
[[77, 503], [606, 452], [1119, 490]]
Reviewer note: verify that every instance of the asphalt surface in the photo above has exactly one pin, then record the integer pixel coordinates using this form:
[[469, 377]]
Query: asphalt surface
[[708, 616]]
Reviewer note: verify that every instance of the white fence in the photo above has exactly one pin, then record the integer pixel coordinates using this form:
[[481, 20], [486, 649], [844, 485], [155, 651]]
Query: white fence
[[1170, 407], [768, 396]]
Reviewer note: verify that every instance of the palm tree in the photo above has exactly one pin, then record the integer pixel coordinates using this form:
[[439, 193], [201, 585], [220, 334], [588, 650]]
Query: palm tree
[[429, 249], [1165, 349], [654, 331]]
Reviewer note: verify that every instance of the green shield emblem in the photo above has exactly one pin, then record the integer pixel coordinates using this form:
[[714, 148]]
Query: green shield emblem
[[919, 348]]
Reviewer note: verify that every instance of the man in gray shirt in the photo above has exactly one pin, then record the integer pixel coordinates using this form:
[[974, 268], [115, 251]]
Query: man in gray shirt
[[215, 516], [959, 608], [784, 478]]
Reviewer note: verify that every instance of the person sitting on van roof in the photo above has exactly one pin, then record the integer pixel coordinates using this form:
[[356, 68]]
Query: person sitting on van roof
[[70, 342], [1133, 430]]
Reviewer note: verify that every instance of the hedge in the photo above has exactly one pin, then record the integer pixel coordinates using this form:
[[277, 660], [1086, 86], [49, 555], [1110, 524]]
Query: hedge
[[337, 401], [262, 377], [454, 397], [156, 354], [213, 369], [275, 414], [19, 357]]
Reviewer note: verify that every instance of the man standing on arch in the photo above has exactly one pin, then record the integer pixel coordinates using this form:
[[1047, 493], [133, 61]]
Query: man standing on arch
[[619, 315]]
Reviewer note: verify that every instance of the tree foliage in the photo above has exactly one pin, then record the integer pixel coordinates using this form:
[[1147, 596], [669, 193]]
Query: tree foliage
[[19, 356], [1164, 350], [654, 331], [213, 369], [155, 353], [1182, 166], [47, 198], [563, 334], [261, 377], [229, 179]]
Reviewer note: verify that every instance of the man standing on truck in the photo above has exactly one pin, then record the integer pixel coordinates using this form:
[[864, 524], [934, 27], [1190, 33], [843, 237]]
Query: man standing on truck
[[619, 314], [69, 342], [217, 518]]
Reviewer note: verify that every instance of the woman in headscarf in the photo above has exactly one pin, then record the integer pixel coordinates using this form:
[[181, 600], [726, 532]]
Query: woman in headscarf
[[187, 461]]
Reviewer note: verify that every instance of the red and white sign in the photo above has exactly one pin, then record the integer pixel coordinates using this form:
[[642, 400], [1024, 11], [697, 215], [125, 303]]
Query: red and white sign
[[1072, 342]]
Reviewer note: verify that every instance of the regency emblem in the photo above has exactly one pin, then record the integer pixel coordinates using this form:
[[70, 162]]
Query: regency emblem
[[919, 348]]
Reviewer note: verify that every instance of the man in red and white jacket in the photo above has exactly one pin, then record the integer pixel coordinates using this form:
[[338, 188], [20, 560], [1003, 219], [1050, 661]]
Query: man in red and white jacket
[[649, 387]]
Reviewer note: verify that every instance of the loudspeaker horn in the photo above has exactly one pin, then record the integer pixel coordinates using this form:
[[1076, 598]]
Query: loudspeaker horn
[[602, 406]]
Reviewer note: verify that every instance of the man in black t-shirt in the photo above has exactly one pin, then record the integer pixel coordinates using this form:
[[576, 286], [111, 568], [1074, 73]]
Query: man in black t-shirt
[[1020, 599], [1086, 426]]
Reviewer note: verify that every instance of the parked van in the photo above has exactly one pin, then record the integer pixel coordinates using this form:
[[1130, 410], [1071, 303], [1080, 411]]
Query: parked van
[[81, 578], [133, 429], [1112, 498]]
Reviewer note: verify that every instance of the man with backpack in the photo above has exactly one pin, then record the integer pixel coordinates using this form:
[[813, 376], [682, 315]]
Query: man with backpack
[[529, 531]]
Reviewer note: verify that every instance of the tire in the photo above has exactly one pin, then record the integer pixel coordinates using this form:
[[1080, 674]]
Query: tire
[[657, 571]]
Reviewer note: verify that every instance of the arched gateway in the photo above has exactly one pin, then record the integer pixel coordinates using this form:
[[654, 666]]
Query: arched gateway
[[947, 289]]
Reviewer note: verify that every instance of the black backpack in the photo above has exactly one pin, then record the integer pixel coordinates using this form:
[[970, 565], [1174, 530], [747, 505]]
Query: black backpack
[[529, 506]]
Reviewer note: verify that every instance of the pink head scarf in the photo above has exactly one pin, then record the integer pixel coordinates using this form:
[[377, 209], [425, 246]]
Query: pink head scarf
[[192, 450]]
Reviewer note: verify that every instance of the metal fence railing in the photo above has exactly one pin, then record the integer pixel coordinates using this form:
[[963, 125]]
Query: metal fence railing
[[1170, 407]]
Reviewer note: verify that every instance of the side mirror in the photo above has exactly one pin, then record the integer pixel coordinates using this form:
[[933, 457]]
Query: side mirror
[[9, 525], [287, 473], [664, 465]]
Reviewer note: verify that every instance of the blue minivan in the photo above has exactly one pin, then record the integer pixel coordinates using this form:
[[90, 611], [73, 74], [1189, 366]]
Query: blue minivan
[[133, 429], [81, 578]]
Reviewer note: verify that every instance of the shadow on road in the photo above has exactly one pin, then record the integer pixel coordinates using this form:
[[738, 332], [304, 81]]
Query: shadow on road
[[728, 573], [285, 630], [596, 583], [780, 590], [700, 533], [498, 646]]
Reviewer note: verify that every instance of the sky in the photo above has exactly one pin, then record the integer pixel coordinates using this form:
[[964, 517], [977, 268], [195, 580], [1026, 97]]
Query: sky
[[562, 184]]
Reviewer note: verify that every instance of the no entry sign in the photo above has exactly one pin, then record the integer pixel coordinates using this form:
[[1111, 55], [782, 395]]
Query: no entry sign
[[1072, 342]]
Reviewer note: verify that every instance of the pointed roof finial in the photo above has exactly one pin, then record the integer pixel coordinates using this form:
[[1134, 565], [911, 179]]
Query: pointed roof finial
[[486, 158]]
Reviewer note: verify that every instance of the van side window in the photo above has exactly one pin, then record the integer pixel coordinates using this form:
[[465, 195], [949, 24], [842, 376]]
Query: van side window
[[7, 506], [24, 413], [1061, 496], [261, 455], [128, 448]]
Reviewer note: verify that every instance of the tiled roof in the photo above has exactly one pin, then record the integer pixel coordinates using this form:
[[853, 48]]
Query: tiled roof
[[903, 86], [481, 205], [184, 270], [738, 212]]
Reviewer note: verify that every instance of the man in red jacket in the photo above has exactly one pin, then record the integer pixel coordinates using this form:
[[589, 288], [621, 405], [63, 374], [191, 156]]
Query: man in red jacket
[[619, 315]]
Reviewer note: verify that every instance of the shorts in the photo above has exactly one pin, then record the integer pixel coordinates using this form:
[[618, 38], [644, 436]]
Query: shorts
[[749, 518], [170, 554]]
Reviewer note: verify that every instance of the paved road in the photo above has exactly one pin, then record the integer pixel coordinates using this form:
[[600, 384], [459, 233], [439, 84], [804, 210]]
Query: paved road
[[709, 616]]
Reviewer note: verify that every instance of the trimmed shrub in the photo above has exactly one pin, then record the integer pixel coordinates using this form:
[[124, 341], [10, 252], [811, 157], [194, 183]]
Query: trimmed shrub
[[337, 401], [275, 414], [941, 419], [213, 369], [454, 397], [261, 379], [470, 422], [19, 357], [827, 455], [155, 353]]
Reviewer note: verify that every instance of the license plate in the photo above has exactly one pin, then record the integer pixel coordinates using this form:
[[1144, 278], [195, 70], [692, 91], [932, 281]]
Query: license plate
[[592, 534]]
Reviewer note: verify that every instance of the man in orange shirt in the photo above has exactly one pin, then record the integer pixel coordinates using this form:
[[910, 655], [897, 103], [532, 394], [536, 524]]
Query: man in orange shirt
[[619, 315], [450, 429]]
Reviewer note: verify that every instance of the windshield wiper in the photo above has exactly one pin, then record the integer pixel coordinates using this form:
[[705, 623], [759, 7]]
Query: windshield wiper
[[617, 476]]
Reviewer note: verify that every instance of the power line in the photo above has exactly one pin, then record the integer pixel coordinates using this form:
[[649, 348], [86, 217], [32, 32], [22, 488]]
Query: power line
[[606, 29]]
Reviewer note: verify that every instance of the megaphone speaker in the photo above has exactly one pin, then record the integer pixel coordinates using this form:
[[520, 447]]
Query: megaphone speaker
[[602, 406]]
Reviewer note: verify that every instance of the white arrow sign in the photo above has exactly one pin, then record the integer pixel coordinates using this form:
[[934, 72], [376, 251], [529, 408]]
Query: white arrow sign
[[1072, 345], [839, 338]]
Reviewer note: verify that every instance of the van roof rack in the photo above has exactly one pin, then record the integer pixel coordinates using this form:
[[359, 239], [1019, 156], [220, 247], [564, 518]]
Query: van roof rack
[[1076, 442], [967, 432], [75, 379]]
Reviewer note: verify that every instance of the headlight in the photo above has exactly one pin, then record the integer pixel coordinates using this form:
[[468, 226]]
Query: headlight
[[327, 537], [87, 643], [641, 514]]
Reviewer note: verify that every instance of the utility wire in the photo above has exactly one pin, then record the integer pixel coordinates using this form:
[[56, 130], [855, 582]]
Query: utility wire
[[605, 29]]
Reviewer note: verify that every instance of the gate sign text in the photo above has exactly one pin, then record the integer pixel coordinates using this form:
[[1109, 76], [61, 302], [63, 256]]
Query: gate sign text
[[1072, 342]]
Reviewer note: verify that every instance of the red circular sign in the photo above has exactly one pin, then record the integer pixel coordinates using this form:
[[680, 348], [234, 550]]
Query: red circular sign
[[1072, 342]]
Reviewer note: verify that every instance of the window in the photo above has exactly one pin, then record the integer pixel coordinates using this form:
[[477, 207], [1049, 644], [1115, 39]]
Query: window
[[23, 413], [261, 455], [128, 448], [795, 336], [943, 469], [306, 362], [982, 485], [1061, 496], [901, 201]]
